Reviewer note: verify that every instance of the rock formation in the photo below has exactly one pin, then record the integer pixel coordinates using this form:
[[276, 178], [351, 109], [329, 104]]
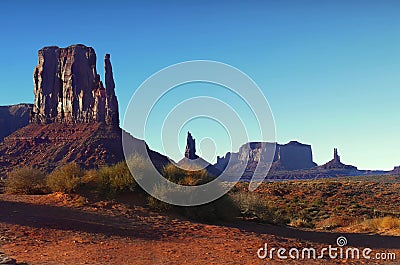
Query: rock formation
[[335, 163], [191, 161], [68, 88], [190, 151], [395, 171], [13, 118], [290, 156], [74, 117], [294, 156], [48, 146]]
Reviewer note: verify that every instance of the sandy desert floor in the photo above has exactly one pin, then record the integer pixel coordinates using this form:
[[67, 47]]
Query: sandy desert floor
[[63, 229]]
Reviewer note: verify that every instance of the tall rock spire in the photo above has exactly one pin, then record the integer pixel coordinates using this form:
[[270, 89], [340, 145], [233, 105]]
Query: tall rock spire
[[112, 116], [68, 88], [190, 152], [336, 157]]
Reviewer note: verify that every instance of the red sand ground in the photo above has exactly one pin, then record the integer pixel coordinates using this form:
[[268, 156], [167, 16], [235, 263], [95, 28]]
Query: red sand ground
[[59, 229]]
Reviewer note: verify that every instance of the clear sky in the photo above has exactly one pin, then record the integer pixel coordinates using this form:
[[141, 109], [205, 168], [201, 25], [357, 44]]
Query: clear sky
[[329, 69]]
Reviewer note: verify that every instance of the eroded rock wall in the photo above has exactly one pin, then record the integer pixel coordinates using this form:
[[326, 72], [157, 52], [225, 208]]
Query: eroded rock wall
[[290, 156], [67, 87]]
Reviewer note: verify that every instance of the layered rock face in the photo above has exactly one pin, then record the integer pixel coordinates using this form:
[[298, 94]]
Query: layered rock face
[[68, 88], [13, 118], [291, 156]]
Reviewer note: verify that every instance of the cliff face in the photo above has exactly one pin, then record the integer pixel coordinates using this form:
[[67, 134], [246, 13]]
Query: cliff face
[[13, 118], [291, 156], [68, 89]]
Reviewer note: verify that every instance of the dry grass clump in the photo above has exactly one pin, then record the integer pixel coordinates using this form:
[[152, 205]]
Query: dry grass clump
[[115, 179], [25, 180], [253, 207], [300, 222], [385, 225], [66, 179], [378, 224], [186, 177], [222, 209]]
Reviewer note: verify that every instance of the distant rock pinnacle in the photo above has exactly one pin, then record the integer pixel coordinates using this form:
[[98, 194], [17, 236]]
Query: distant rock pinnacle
[[68, 88], [336, 157], [335, 163], [190, 152]]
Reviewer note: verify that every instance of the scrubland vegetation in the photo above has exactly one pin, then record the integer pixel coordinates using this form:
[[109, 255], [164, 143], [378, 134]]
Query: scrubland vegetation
[[361, 205]]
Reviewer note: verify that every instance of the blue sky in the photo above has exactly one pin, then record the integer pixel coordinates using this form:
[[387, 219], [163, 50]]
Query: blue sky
[[329, 69]]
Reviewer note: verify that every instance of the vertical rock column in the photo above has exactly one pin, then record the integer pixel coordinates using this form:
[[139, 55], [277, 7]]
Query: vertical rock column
[[190, 152], [68, 88], [47, 84], [111, 108]]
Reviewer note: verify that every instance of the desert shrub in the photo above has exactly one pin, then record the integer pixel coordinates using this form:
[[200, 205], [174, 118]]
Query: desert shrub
[[115, 179], [119, 178], [252, 206], [389, 222], [160, 191], [298, 222], [173, 173], [377, 224], [25, 180], [66, 179], [222, 209], [186, 177], [141, 168]]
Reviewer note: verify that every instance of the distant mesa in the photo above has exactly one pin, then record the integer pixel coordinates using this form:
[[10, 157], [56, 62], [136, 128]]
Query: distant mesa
[[336, 164], [13, 117], [290, 156], [68, 88], [395, 171]]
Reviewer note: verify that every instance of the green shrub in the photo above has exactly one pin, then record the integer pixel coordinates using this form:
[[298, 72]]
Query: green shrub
[[25, 180], [160, 191], [222, 209], [173, 173], [119, 178], [65, 179], [186, 177], [115, 179], [252, 206]]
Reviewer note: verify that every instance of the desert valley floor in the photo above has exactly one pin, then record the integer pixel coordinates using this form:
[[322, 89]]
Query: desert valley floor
[[67, 229]]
